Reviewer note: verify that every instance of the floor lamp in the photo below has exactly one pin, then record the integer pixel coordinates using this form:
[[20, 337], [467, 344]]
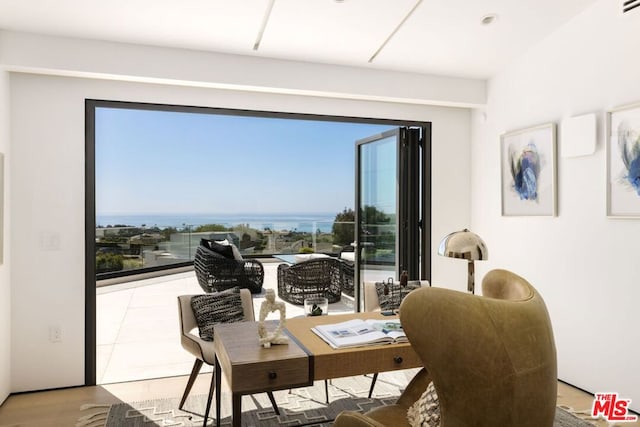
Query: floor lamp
[[465, 245]]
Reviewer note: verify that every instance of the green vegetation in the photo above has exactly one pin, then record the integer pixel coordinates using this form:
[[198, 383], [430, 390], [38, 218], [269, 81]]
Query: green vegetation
[[344, 227], [211, 227], [371, 215], [109, 262], [132, 264]]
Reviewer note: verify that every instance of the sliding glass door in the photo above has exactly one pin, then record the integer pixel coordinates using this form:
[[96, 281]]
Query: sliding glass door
[[392, 204]]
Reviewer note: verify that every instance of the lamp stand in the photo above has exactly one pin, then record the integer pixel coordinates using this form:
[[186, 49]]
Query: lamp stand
[[471, 277]]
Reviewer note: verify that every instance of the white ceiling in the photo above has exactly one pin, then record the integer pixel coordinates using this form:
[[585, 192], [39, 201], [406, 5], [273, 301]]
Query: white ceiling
[[433, 36]]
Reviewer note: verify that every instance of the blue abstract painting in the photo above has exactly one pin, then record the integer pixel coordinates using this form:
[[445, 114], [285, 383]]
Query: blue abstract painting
[[629, 146], [525, 171], [528, 171], [623, 153]]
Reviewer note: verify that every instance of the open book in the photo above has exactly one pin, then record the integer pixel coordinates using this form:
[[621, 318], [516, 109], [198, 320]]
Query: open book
[[358, 333]]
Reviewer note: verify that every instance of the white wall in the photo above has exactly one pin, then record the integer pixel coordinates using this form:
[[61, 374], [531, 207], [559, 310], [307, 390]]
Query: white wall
[[94, 59], [47, 118], [5, 284], [585, 265], [46, 183]]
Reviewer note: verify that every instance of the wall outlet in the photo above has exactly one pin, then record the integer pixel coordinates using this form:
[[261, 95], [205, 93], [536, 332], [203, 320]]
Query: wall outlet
[[55, 333]]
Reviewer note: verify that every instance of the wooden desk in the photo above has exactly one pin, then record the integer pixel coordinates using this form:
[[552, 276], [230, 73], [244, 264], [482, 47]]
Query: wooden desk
[[250, 368]]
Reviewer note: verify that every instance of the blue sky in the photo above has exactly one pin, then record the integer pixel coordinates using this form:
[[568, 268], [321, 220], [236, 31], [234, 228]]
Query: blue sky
[[169, 162]]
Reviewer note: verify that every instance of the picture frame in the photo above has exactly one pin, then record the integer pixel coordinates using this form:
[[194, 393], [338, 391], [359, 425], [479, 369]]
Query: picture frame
[[623, 162], [528, 171]]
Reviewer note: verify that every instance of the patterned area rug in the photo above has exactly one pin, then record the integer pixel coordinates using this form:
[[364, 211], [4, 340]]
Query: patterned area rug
[[300, 407]]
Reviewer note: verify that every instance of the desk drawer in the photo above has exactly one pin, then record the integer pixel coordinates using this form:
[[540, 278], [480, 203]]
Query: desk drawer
[[394, 358], [274, 375], [365, 360]]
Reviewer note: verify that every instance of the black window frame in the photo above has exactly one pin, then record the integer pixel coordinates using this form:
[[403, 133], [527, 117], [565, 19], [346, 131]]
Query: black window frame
[[90, 219]]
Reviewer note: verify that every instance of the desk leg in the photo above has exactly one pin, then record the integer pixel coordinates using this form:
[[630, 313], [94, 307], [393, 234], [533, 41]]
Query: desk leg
[[237, 409], [218, 373]]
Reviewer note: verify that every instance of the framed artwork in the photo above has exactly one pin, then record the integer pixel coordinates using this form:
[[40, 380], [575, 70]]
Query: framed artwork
[[623, 162], [528, 168]]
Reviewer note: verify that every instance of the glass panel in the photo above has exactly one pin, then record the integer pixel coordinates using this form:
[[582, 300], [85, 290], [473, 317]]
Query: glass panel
[[131, 242], [165, 162], [377, 208]]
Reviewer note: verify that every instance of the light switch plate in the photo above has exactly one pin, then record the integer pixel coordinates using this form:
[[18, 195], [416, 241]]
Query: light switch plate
[[50, 241]]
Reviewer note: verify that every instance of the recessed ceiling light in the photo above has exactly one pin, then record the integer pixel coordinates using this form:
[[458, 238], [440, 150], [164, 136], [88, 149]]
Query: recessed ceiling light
[[489, 19]]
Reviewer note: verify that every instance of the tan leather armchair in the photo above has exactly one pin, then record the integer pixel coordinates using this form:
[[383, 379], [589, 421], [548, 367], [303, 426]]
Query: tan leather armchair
[[492, 358]]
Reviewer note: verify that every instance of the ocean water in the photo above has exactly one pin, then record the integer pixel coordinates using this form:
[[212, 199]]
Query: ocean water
[[305, 222]]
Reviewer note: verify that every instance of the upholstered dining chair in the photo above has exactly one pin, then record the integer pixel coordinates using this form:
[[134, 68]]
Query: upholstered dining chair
[[202, 349], [491, 358]]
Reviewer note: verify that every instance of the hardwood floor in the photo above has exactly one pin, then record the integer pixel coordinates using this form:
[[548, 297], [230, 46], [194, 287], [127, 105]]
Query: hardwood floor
[[61, 408], [579, 400]]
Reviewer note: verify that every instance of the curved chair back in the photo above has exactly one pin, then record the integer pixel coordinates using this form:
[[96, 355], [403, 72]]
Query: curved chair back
[[189, 337], [492, 358], [204, 351]]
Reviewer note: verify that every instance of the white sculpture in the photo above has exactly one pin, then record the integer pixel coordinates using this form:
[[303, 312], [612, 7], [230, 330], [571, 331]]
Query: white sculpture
[[269, 306]]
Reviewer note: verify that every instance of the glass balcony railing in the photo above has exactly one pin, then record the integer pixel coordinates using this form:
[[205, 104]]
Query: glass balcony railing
[[129, 249]]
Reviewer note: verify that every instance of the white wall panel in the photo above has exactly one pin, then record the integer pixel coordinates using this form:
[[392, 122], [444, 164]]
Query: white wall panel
[[5, 282], [120, 61], [585, 265], [48, 197]]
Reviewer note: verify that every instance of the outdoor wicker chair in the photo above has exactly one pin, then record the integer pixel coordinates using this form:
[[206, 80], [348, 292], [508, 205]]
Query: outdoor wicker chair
[[320, 277], [347, 277], [216, 273]]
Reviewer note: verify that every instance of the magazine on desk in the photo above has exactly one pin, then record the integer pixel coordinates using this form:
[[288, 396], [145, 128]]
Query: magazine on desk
[[359, 333]]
